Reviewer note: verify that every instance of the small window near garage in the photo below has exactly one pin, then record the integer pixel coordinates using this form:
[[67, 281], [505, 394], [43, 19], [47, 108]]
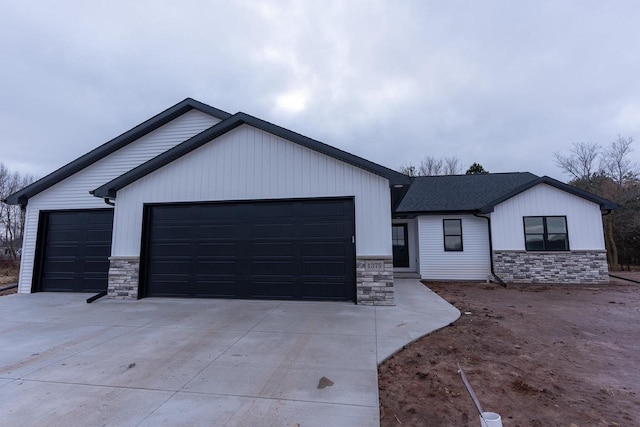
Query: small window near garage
[[452, 234], [546, 233]]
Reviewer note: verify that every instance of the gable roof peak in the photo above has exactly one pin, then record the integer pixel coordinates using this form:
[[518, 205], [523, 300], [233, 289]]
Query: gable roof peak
[[110, 189], [22, 196], [479, 193]]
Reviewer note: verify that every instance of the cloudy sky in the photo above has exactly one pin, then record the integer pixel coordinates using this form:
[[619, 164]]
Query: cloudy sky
[[502, 83]]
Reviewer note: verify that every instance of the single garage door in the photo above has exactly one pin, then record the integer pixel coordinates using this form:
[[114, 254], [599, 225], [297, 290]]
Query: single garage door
[[74, 250], [293, 249]]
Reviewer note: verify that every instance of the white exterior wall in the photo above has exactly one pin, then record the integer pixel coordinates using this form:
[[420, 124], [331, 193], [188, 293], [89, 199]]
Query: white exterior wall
[[73, 192], [249, 164], [584, 220], [472, 263], [412, 236]]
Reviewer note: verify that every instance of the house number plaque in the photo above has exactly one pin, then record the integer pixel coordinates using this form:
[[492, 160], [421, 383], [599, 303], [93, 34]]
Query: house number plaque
[[374, 265]]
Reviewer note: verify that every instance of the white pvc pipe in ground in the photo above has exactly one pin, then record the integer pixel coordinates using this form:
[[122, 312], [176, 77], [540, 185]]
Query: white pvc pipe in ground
[[490, 419]]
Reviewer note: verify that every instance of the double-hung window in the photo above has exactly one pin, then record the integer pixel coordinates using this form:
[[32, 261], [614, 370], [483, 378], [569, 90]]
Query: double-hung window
[[546, 233], [452, 234]]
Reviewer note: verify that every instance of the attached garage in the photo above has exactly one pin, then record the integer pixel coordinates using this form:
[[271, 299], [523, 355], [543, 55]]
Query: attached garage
[[286, 249], [73, 251], [199, 203]]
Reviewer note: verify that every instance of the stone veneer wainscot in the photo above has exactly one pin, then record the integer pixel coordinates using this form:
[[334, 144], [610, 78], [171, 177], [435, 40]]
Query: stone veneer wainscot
[[374, 280], [552, 267], [123, 277]]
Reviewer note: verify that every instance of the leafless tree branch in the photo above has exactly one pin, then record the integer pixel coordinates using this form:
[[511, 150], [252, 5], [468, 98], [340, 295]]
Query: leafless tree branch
[[11, 217], [616, 160], [430, 166], [452, 166], [581, 162]]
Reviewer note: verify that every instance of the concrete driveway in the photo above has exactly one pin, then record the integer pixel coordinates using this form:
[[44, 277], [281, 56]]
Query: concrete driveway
[[210, 362]]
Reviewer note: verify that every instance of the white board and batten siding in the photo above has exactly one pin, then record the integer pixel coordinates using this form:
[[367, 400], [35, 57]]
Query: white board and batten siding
[[73, 192], [472, 263], [250, 164], [584, 219]]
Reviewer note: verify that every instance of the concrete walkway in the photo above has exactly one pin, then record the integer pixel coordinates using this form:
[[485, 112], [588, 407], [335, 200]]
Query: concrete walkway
[[161, 362]]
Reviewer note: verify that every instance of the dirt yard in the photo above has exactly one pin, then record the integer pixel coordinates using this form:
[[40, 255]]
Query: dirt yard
[[8, 292], [8, 275], [537, 355]]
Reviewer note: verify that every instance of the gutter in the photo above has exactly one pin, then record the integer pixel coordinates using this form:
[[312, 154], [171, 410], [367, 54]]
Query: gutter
[[105, 198], [493, 273]]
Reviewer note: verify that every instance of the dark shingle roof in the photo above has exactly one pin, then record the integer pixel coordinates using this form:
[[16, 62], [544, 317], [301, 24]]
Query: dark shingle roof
[[478, 193], [21, 197]]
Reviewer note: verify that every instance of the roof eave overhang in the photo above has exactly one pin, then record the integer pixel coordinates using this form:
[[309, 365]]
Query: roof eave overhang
[[111, 188], [485, 209], [22, 197], [605, 205], [413, 214]]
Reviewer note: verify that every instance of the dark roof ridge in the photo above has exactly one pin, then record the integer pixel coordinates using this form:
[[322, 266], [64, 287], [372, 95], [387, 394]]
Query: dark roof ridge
[[110, 188], [144, 128], [473, 174]]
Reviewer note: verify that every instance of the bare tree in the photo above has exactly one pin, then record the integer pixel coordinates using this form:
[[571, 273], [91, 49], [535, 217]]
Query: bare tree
[[430, 166], [581, 163], [611, 174], [11, 217], [616, 162], [409, 170], [622, 225], [452, 166]]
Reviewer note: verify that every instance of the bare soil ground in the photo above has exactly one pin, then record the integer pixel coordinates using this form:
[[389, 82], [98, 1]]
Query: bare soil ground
[[538, 355], [8, 292], [8, 276]]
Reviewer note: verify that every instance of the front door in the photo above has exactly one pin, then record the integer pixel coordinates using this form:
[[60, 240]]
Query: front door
[[400, 241]]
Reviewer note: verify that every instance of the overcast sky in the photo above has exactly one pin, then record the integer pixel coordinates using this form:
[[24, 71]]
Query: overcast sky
[[502, 83]]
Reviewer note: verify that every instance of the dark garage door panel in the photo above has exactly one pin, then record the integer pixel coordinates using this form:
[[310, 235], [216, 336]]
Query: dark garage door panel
[[298, 249], [74, 250]]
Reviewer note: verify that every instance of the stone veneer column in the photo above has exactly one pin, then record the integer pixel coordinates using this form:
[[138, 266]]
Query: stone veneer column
[[552, 267], [123, 277], [374, 280]]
